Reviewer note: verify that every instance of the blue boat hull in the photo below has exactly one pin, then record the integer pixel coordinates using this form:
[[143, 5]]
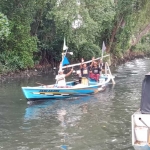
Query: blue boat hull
[[47, 92], [35, 93]]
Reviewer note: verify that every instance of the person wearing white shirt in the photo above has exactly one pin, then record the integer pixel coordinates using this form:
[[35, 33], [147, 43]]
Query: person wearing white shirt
[[60, 78]]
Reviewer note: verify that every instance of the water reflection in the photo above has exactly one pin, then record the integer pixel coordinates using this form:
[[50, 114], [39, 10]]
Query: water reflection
[[34, 111], [61, 116], [60, 107], [97, 122], [67, 113]]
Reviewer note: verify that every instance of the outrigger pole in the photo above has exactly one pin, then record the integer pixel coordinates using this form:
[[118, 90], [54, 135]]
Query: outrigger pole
[[65, 48], [85, 62], [107, 69]]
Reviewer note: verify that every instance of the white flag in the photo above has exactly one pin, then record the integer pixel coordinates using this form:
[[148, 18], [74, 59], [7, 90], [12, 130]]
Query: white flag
[[103, 47], [64, 46]]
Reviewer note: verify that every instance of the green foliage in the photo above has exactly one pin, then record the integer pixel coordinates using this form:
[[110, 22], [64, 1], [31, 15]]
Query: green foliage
[[92, 18], [4, 26], [35, 29], [143, 45], [17, 50], [141, 16], [124, 24], [88, 50]]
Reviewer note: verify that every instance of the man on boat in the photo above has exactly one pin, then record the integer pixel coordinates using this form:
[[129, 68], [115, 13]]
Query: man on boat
[[84, 69], [60, 78]]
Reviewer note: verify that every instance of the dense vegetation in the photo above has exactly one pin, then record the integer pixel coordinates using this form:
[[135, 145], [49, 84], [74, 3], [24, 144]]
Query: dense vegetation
[[32, 31]]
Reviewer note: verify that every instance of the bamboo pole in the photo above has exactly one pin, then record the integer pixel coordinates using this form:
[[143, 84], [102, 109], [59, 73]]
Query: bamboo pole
[[108, 69], [78, 64]]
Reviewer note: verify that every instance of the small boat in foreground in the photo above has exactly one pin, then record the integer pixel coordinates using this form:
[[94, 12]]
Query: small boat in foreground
[[72, 89], [141, 119]]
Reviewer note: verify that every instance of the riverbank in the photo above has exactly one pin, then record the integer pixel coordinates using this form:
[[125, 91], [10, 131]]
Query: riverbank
[[128, 56], [37, 70]]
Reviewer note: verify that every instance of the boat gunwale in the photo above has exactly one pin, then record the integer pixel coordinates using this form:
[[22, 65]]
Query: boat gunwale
[[67, 88]]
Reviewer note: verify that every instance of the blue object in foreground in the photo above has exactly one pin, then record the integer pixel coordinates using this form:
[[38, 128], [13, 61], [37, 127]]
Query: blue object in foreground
[[64, 147]]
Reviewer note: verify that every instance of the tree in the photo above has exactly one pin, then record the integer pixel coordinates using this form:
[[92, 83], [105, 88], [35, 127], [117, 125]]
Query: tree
[[18, 49], [85, 23], [4, 26]]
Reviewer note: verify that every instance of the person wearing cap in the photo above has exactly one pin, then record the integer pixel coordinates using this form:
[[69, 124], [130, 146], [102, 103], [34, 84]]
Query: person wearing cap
[[60, 78]]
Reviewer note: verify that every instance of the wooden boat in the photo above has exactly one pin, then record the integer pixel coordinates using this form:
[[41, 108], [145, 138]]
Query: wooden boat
[[72, 89], [141, 119]]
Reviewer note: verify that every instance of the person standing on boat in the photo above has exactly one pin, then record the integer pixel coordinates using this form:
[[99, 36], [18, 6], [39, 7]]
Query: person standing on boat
[[78, 73], [95, 70], [84, 72], [84, 69], [61, 77]]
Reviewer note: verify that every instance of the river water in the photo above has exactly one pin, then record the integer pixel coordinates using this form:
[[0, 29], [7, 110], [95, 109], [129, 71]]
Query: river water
[[95, 122]]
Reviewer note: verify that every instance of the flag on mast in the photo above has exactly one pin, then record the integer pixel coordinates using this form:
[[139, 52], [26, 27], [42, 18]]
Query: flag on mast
[[64, 46], [64, 58], [103, 48], [65, 61]]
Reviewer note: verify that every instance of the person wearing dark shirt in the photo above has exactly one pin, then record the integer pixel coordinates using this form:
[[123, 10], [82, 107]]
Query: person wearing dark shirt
[[84, 72], [95, 71], [84, 69]]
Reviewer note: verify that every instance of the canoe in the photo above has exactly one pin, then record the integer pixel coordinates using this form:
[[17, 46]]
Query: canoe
[[72, 89], [141, 119]]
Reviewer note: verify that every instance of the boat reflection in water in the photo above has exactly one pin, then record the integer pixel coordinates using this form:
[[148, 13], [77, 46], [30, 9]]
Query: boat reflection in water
[[56, 107], [141, 119], [61, 114], [35, 110]]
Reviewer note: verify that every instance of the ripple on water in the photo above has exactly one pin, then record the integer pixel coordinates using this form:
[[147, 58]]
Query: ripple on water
[[96, 122]]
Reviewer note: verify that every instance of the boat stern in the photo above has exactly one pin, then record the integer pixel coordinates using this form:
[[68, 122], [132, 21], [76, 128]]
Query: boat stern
[[140, 131]]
